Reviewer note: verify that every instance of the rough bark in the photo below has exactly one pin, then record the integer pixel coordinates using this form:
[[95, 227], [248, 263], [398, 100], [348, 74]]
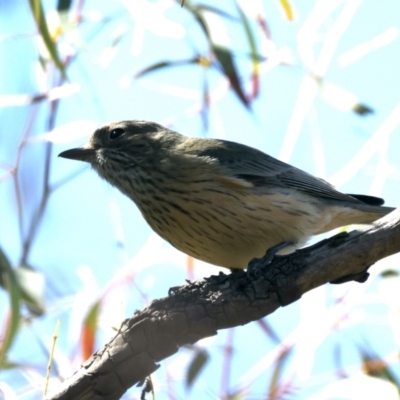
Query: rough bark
[[199, 309]]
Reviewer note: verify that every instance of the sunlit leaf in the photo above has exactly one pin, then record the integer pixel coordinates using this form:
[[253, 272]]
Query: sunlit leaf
[[196, 366], [31, 284], [38, 14], [359, 51], [89, 329], [287, 9], [58, 92]]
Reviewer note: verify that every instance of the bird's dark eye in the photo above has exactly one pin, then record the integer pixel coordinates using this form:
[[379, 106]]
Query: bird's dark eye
[[116, 133]]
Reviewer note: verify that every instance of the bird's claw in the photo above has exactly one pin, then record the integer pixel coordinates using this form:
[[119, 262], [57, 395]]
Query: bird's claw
[[257, 264]]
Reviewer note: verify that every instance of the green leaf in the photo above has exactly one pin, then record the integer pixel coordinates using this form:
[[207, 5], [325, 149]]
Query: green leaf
[[38, 14], [222, 53], [64, 5], [362, 109], [9, 281], [28, 282], [166, 64], [197, 15], [389, 273], [198, 362], [224, 56], [89, 330]]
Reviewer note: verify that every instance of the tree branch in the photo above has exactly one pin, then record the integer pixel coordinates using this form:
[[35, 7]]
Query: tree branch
[[199, 309]]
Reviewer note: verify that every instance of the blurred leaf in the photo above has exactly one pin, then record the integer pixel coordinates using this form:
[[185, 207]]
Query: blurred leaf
[[9, 281], [267, 328], [31, 285], [38, 15], [89, 329], [224, 56], [253, 51], [221, 52], [13, 365], [148, 388], [275, 379], [239, 395], [362, 109], [28, 283], [389, 273], [197, 11], [190, 268], [197, 14], [375, 366], [166, 64], [288, 10], [198, 362], [342, 98], [63, 5], [6, 270]]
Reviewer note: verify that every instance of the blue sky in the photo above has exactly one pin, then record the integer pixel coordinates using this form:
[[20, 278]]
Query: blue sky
[[92, 242]]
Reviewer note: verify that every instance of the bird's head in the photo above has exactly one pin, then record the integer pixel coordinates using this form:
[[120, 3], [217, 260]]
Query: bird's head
[[122, 146]]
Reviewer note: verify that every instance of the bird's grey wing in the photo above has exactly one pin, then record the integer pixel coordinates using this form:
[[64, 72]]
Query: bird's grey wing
[[260, 169]]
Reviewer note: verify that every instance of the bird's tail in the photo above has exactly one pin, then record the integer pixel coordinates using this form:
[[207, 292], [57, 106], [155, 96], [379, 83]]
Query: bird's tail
[[370, 207]]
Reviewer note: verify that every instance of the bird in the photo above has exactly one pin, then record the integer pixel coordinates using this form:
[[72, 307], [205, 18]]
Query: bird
[[219, 201]]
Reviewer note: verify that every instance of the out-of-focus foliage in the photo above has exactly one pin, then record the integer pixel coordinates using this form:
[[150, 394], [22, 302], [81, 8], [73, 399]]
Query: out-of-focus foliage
[[315, 83]]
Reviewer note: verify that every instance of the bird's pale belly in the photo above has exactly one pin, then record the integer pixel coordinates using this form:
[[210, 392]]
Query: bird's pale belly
[[214, 233]]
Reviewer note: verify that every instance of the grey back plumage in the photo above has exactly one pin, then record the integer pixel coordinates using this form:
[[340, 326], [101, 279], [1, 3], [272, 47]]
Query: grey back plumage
[[260, 169]]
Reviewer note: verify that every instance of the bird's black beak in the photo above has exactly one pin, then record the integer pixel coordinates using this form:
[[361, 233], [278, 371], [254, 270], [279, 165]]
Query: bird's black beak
[[80, 154]]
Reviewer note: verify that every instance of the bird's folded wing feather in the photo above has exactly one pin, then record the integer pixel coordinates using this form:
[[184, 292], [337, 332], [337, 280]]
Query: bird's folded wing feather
[[262, 170]]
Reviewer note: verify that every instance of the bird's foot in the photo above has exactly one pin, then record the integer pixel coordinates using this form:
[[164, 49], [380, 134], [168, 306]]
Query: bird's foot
[[256, 264]]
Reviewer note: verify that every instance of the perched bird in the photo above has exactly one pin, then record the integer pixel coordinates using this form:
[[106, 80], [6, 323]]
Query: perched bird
[[221, 202]]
